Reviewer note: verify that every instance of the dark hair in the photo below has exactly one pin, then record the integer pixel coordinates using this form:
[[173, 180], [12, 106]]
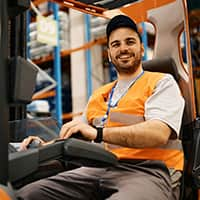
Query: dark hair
[[121, 21]]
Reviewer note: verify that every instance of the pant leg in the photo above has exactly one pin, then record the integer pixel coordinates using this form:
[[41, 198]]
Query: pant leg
[[139, 183], [123, 182], [78, 184]]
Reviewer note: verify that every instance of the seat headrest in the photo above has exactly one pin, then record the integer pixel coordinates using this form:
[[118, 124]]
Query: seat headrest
[[164, 65]]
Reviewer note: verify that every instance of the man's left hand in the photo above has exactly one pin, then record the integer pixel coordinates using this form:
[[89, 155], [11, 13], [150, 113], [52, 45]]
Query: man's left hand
[[73, 127]]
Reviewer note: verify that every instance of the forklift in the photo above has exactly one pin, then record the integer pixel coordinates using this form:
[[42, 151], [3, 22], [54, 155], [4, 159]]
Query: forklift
[[16, 71]]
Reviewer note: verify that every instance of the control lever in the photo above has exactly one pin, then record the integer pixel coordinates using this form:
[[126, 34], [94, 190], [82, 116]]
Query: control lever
[[37, 143], [34, 144]]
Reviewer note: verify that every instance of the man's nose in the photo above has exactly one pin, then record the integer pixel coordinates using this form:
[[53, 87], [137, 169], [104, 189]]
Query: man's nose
[[123, 47]]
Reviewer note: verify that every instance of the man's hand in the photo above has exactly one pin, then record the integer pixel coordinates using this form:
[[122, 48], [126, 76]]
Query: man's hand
[[27, 141], [73, 127], [67, 130]]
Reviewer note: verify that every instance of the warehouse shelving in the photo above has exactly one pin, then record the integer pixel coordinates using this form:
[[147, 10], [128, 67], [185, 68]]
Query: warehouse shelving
[[65, 53], [86, 8]]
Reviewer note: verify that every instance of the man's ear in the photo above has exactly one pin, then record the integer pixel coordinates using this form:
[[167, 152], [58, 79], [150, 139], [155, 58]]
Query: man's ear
[[142, 49], [109, 57]]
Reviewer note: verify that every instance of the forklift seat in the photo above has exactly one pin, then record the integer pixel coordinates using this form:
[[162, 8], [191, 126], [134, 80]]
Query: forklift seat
[[190, 135], [164, 65]]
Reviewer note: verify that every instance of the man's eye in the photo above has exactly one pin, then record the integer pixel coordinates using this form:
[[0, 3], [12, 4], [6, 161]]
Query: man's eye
[[115, 45], [130, 42]]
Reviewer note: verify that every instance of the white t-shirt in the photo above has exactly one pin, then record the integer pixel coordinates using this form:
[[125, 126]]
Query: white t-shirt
[[166, 103]]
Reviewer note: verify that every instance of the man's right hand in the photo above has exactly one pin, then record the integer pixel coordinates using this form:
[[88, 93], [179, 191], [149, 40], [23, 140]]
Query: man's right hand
[[27, 141]]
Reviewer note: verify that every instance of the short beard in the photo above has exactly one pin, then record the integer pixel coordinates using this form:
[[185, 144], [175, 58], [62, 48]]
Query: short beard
[[131, 69]]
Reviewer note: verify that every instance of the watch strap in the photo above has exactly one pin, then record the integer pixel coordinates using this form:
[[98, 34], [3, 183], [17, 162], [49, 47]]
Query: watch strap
[[99, 137]]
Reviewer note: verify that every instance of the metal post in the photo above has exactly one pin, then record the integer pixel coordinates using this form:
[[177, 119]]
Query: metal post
[[88, 56], [57, 69]]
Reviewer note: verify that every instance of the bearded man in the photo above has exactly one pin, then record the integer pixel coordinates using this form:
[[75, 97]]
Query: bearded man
[[136, 117]]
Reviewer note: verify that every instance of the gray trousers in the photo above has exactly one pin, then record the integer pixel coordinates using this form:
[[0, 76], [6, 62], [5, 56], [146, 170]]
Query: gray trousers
[[146, 180]]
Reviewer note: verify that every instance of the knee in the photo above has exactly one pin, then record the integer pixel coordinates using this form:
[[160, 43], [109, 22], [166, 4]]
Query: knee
[[29, 192]]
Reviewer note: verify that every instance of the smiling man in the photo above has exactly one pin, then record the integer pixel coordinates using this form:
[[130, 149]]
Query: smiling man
[[138, 118], [126, 51]]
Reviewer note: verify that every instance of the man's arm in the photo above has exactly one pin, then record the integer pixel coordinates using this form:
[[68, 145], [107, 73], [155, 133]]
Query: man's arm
[[143, 135], [146, 134], [163, 115]]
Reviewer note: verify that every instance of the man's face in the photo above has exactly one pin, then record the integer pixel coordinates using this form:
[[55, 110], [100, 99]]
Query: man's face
[[125, 50]]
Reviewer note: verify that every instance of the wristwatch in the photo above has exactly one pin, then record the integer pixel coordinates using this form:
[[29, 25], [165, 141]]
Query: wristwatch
[[99, 137]]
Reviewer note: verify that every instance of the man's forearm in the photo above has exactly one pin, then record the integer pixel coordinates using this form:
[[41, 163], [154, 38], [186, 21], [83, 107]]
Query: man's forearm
[[147, 134]]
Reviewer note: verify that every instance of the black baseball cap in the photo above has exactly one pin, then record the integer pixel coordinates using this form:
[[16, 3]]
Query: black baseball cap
[[121, 21]]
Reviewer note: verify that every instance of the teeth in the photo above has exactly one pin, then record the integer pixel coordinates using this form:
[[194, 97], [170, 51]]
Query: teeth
[[124, 56]]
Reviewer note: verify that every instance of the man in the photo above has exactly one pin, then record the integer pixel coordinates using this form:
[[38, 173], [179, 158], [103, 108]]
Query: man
[[138, 117]]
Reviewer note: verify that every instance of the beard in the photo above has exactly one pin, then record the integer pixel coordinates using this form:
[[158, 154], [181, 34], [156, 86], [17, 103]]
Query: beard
[[126, 66]]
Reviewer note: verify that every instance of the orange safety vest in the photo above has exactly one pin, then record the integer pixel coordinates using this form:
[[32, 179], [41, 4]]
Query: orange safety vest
[[4, 195], [130, 110]]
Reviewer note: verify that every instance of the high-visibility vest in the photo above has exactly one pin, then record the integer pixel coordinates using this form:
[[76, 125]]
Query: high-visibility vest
[[130, 110]]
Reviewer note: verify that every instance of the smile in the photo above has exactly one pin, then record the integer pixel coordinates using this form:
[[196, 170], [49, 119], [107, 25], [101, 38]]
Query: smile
[[124, 56]]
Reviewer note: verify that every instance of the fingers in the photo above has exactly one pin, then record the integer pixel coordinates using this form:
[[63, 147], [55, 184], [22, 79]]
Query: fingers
[[69, 128], [73, 127], [28, 140], [25, 143]]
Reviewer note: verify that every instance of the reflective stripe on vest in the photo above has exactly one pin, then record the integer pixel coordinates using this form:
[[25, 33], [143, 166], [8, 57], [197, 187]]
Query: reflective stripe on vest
[[172, 158], [130, 110]]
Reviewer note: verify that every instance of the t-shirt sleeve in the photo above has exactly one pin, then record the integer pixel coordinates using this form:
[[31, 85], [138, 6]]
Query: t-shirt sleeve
[[84, 118], [166, 104], [84, 115]]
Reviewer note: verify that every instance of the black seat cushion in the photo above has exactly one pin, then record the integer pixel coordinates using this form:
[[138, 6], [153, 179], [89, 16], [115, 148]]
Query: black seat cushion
[[164, 65]]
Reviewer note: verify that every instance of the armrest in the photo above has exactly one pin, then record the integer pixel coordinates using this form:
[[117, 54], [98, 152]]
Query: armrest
[[24, 163], [72, 148], [89, 154]]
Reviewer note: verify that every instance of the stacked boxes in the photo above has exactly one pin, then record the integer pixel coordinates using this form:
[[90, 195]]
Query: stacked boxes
[[98, 26], [38, 49]]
